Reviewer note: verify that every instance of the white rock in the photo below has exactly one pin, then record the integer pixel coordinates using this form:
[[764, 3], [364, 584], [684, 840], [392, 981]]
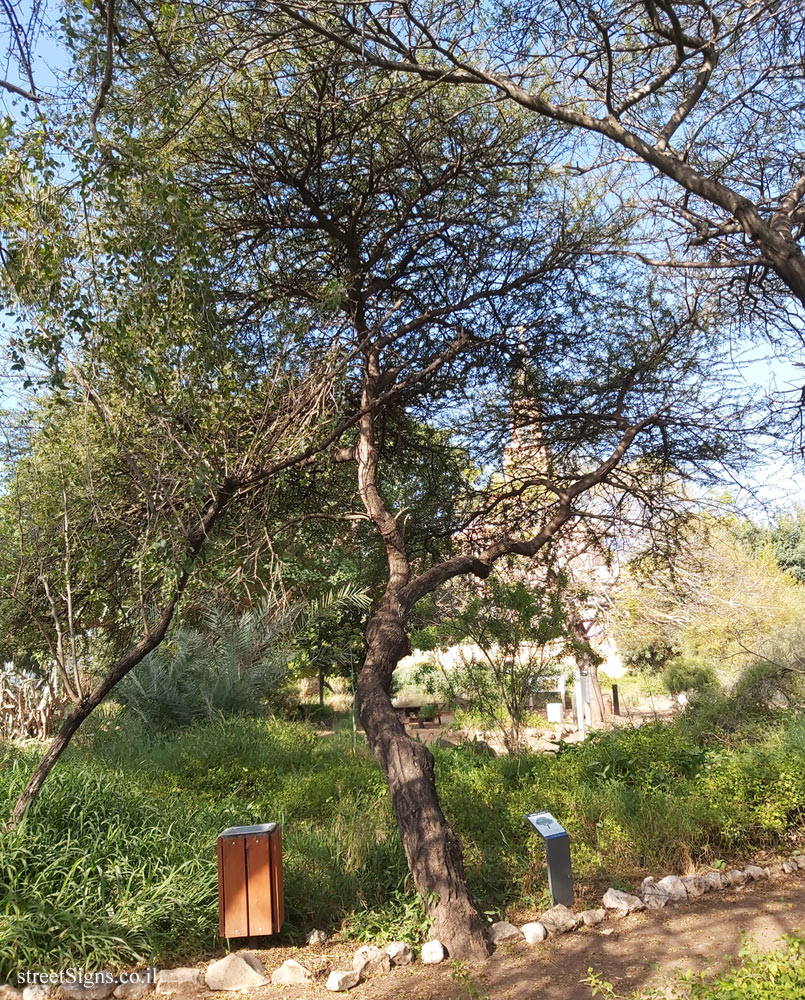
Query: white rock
[[592, 918], [10, 993], [534, 932], [559, 920], [234, 974], [675, 888], [99, 990], [251, 959], [654, 895], [622, 903], [502, 930], [714, 880], [290, 973], [316, 937], [132, 990], [789, 867], [371, 961], [774, 870], [432, 952], [400, 953], [341, 980], [178, 980], [694, 886], [800, 860], [35, 991], [736, 877], [755, 872]]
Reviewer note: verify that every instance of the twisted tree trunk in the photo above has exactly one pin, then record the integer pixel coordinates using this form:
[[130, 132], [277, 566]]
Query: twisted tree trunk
[[431, 846], [588, 663]]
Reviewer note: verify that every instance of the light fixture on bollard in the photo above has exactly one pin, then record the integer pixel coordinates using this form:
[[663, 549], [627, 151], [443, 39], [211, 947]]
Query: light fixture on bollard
[[557, 851]]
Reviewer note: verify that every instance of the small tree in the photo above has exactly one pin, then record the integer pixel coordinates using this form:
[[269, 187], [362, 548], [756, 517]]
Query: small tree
[[509, 637]]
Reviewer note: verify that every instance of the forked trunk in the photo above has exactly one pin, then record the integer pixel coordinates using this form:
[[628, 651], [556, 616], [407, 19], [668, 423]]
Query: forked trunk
[[431, 846]]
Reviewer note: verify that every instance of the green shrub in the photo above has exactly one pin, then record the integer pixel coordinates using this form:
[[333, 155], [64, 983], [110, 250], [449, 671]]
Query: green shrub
[[780, 975], [320, 715], [682, 675]]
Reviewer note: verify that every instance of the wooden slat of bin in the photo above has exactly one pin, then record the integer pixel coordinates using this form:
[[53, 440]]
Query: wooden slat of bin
[[233, 869], [277, 886], [221, 921], [258, 868]]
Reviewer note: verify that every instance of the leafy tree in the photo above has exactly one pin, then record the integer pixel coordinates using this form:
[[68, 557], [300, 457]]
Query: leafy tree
[[510, 635], [786, 535], [717, 602]]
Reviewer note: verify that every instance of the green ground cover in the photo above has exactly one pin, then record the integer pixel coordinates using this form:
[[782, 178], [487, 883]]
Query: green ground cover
[[115, 865]]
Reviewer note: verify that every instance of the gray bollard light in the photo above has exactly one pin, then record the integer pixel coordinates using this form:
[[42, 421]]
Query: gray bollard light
[[557, 851]]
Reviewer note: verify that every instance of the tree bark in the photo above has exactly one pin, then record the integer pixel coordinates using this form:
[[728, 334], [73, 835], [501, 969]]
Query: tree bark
[[597, 712], [588, 663], [431, 846]]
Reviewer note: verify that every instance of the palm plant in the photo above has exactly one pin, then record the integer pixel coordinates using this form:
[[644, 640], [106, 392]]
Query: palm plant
[[227, 662]]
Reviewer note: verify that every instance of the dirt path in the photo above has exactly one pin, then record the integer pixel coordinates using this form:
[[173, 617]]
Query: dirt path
[[642, 950]]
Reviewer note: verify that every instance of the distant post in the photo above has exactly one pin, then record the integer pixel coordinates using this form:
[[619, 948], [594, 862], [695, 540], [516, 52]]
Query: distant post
[[616, 705]]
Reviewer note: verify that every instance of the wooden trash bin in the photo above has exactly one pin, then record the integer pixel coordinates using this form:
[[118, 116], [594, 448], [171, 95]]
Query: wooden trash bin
[[251, 899]]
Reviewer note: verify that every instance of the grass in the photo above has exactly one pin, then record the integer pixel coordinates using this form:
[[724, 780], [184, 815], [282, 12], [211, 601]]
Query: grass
[[116, 863]]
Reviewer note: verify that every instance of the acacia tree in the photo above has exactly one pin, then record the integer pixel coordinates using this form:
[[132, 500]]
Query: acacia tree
[[164, 430], [427, 242], [416, 230]]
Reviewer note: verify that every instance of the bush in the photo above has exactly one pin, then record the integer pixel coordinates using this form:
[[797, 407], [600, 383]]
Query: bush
[[319, 715], [682, 675]]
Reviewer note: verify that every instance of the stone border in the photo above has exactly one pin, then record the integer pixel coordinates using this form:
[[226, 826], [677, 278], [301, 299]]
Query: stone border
[[242, 971]]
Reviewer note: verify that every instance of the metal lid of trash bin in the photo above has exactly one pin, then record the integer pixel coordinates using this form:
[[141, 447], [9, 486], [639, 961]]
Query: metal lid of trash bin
[[244, 831], [546, 825]]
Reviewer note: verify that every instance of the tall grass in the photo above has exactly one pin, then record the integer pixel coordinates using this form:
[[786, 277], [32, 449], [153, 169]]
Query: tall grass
[[115, 864]]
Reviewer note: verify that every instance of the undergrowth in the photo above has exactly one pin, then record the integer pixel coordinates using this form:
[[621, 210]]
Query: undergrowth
[[115, 865]]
